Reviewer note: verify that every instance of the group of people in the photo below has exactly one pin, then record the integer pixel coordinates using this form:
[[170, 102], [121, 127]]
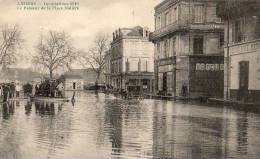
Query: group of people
[[46, 88], [10, 90]]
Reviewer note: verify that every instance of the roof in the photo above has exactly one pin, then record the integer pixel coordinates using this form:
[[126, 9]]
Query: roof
[[135, 31], [88, 75], [72, 77]]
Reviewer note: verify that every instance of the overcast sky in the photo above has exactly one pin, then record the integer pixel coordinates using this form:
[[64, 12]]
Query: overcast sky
[[93, 16]]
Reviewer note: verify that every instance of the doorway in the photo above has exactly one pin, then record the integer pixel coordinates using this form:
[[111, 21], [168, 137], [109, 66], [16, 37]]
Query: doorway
[[243, 80], [165, 83], [74, 85]]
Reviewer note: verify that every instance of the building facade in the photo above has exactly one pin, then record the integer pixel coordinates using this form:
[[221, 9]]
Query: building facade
[[72, 82], [242, 49], [188, 41], [130, 61]]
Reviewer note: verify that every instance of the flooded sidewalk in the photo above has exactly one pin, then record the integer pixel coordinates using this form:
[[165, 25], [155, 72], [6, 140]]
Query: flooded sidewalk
[[99, 126]]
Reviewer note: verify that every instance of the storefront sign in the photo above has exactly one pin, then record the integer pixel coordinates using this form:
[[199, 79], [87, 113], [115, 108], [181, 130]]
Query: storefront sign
[[209, 67], [166, 68]]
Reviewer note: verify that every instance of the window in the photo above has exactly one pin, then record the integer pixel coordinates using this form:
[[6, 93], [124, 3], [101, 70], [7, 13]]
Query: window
[[158, 50], [173, 46], [221, 40], [139, 65], [198, 13], [158, 22], [174, 15], [127, 65], [163, 20], [237, 31], [144, 66], [166, 49], [198, 44], [257, 27]]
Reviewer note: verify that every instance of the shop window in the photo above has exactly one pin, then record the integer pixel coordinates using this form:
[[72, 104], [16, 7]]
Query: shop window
[[198, 44]]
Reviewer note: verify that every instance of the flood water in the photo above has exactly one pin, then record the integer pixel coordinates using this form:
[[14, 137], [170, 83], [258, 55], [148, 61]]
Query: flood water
[[102, 127]]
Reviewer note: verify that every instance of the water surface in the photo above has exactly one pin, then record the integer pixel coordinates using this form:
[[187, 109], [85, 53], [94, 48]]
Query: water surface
[[99, 126]]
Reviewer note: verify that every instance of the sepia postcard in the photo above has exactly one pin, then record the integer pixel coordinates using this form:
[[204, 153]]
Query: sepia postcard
[[129, 79]]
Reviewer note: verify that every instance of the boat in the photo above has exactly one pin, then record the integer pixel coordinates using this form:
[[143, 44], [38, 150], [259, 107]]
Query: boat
[[50, 99]]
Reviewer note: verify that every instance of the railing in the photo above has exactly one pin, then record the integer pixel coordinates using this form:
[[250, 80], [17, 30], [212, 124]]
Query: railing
[[244, 47], [185, 25], [180, 24]]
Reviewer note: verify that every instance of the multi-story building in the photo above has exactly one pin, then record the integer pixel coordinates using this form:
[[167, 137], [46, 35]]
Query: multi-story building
[[242, 49], [188, 41], [131, 60], [107, 70]]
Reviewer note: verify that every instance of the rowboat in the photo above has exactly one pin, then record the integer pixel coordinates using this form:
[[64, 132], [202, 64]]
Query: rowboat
[[50, 99]]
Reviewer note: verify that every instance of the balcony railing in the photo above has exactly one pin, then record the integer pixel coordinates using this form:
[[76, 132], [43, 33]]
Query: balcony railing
[[234, 8], [185, 25], [177, 25], [244, 47]]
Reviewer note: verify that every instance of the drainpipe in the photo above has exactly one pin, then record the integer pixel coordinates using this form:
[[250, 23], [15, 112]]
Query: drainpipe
[[228, 63]]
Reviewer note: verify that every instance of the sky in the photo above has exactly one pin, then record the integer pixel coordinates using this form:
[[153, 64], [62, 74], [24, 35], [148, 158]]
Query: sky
[[93, 16]]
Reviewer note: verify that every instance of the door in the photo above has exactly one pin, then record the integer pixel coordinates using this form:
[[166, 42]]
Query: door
[[165, 82], [243, 80]]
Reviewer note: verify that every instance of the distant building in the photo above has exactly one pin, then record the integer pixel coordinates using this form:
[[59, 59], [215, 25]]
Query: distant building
[[242, 49], [72, 82], [188, 41], [21, 75], [107, 71], [88, 75], [130, 59]]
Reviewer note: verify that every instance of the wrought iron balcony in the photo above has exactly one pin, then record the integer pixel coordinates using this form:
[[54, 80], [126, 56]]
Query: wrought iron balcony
[[244, 47], [173, 27], [235, 8], [185, 25]]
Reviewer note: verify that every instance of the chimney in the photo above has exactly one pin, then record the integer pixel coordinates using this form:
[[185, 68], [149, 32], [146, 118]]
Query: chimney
[[116, 33], [120, 31], [146, 32], [114, 36]]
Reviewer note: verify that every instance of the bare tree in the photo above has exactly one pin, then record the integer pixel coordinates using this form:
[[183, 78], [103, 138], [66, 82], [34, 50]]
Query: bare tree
[[95, 57], [10, 42], [54, 51]]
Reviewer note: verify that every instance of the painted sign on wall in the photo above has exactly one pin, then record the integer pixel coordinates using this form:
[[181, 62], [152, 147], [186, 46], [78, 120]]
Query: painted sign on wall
[[209, 67]]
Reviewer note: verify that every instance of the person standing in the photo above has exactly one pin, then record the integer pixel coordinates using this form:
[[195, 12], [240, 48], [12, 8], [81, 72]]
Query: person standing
[[6, 91], [33, 89], [12, 90], [60, 89], [184, 90], [18, 90]]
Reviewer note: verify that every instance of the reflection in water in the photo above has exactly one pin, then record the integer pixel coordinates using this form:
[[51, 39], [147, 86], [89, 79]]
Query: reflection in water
[[113, 115], [102, 126], [8, 110], [28, 108], [242, 136]]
